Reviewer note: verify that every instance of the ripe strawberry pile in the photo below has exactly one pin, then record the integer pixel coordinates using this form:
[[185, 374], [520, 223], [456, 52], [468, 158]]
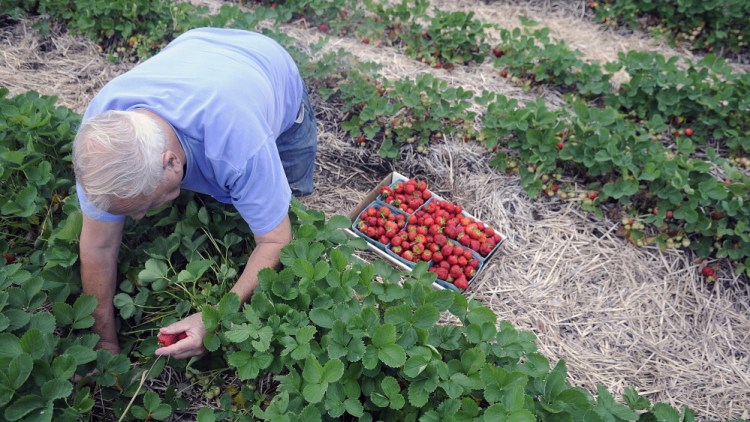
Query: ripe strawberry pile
[[406, 196], [447, 218], [438, 232], [380, 223]]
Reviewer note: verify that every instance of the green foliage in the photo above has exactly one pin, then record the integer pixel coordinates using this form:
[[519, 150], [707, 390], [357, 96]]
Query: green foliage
[[713, 26], [531, 57]]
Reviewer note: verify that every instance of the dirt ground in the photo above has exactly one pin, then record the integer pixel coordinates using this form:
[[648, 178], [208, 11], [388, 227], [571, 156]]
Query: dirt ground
[[619, 315]]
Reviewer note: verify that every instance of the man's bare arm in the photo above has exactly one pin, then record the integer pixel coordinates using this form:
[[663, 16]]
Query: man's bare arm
[[265, 255], [99, 246]]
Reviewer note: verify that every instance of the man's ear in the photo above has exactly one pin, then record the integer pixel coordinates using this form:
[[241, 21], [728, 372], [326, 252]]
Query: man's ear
[[170, 160]]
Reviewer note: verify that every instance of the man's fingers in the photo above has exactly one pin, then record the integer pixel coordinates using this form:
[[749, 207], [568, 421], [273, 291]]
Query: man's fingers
[[180, 350]]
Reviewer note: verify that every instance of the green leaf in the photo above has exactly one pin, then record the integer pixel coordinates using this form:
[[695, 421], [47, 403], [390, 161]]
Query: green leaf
[[82, 309], [339, 260], [23, 406], [303, 269], [64, 366], [426, 316], [313, 393], [206, 414], [392, 355], [239, 333], [322, 317], [333, 370], [10, 346], [472, 360], [211, 342], [313, 371], [384, 335], [31, 341], [56, 389], [354, 407], [338, 222], [229, 304], [155, 269], [321, 270], [211, 317], [19, 369]]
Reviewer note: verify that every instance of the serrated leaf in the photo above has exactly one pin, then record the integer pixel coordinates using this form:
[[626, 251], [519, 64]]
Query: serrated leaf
[[229, 304], [415, 365], [426, 316], [313, 393], [239, 333], [64, 366], [31, 341], [333, 370], [19, 369], [354, 407], [23, 406], [384, 335], [392, 355], [322, 317], [339, 260], [56, 389], [154, 269], [338, 222], [417, 394], [211, 317], [211, 342], [303, 269]]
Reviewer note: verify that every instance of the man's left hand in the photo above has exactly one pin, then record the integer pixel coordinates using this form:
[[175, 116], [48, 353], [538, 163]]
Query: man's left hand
[[190, 346]]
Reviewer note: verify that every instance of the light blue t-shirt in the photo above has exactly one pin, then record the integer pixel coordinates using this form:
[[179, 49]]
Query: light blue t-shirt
[[228, 94]]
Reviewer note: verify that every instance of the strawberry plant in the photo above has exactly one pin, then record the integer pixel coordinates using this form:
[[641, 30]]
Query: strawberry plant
[[712, 27], [451, 38], [530, 57], [712, 111]]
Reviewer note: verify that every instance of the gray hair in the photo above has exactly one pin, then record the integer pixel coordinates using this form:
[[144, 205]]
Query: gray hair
[[118, 154]]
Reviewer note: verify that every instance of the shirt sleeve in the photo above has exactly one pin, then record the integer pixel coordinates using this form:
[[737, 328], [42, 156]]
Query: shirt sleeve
[[260, 191], [93, 212]]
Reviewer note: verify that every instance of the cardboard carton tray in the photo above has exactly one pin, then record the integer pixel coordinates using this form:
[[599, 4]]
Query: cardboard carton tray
[[373, 195]]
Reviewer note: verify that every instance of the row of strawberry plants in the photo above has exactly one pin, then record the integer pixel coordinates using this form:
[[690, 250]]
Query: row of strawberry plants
[[718, 26], [146, 286], [338, 341]]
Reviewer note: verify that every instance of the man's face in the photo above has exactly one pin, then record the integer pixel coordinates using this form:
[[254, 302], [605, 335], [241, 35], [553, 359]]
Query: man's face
[[136, 208]]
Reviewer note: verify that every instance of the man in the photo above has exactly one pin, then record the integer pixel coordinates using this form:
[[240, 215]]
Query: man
[[221, 112]]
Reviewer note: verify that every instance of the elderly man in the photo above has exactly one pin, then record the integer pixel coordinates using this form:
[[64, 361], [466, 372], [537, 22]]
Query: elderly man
[[218, 111]]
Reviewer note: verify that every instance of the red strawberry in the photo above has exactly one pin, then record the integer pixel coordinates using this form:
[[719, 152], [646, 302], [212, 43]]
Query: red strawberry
[[442, 273], [456, 272], [461, 282], [167, 339], [182, 336], [707, 271]]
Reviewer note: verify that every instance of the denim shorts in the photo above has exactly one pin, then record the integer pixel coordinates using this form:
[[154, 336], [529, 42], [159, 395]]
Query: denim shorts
[[297, 147]]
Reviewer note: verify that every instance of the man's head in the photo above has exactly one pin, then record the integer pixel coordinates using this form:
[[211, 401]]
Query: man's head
[[122, 161]]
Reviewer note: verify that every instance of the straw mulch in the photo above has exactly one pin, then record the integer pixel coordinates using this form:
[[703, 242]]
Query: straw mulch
[[619, 315]]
